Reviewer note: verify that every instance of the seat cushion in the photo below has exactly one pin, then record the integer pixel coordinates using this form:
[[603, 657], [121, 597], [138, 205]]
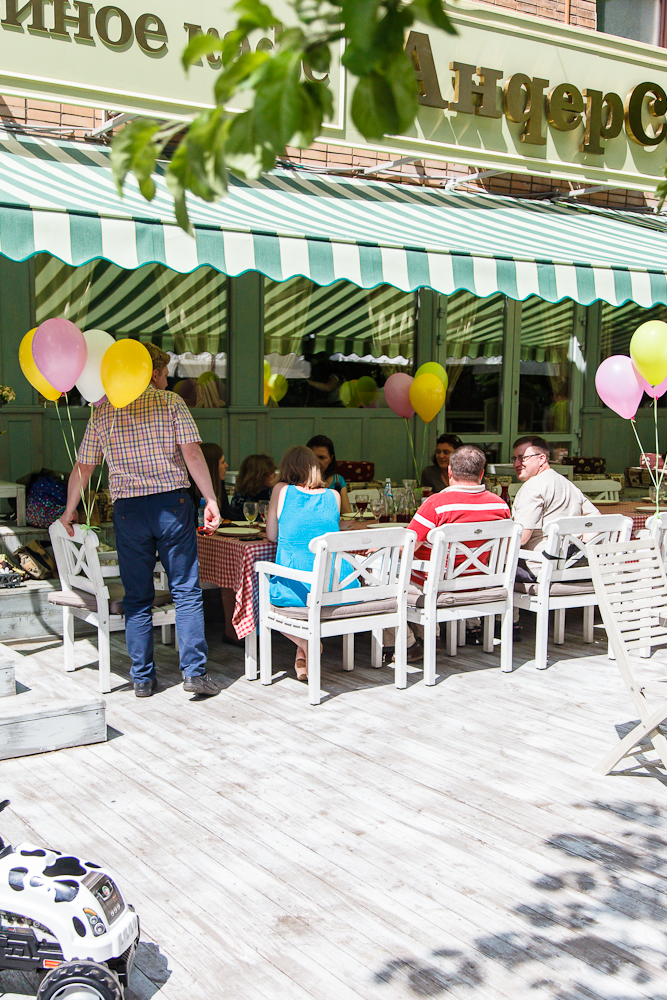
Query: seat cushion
[[87, 602], [333, 611], [461, 597], [557, 589]]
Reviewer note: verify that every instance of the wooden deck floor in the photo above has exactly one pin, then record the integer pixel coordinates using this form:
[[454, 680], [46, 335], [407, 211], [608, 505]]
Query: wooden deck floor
[[386, 845]]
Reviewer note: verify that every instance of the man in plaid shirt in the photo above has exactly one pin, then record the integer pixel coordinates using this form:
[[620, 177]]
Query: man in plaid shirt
[[148, 445]]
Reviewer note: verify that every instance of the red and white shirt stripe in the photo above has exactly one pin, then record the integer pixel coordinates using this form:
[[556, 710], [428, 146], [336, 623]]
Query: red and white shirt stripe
[[453, 505]]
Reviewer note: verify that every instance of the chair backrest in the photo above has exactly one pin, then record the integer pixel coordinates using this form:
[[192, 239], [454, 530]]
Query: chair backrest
[[513, 489], [341, 557], [77, 560], [473, 556], [570, 538], [599, 489], [657, 528], [631, 589]]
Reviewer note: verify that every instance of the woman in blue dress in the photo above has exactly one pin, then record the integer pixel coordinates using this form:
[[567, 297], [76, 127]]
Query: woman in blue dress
[[301, 508]]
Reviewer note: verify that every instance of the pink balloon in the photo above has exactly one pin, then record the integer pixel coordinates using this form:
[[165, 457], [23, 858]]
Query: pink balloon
[[619, 385], [654, 391], [397, 394], [59, 351], [100, 401]]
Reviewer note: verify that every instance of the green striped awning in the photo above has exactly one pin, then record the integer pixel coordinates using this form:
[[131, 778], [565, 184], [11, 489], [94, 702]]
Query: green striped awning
[[59, 198]]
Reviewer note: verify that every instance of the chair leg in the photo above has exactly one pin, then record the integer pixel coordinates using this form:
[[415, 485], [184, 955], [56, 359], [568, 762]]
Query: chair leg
[[348, 651], [250, 660], [452, 628], [401, 656], [430, 632], [542, 637], [507, 642], [104, 653], [461, 632], [68, 639], [559, 626], [314, 671], [175, 639], [376, 648], [589, 621], [265, 664], [489, 624], [645, 728], [166, 635]]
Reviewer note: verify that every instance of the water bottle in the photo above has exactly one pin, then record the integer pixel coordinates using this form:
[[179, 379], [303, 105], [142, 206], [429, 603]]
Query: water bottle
[[388, 502], [387, 492], [200, 513]]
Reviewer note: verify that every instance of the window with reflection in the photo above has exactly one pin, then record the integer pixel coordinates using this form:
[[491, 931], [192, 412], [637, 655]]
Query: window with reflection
[[184, 314], [319, 342], [475, 333], [548, 349], [637, 19]]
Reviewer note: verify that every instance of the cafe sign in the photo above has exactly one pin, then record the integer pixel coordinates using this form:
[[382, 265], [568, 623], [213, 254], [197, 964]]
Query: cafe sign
[[509, 92]]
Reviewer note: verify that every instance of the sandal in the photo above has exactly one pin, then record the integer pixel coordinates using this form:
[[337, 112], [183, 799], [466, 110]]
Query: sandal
[[301, 672]]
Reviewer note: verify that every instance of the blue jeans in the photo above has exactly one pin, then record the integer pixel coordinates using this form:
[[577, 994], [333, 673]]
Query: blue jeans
[[162, 522]]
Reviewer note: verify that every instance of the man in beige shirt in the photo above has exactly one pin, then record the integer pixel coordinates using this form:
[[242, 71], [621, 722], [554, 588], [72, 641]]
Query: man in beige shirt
[[544, 497]]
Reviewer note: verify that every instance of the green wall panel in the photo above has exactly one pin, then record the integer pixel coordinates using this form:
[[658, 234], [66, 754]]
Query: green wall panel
[[347, 435]]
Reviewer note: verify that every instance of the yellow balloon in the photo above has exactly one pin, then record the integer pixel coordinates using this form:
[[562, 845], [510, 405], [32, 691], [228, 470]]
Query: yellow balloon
[[648, 349], [126, 370], [427, 395], [349, 394], [267, 371], [278, 386], [267, 392], [367, 390], [32, 372], [433, 368]]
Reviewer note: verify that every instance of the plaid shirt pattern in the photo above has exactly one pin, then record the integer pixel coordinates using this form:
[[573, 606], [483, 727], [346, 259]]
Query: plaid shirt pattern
[[140, 443]]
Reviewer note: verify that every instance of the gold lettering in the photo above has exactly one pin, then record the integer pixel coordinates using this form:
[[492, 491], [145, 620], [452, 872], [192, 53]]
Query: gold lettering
[[61, 21], [634, 106], [102, 18], [418, 50], [14, 15], [522, 98], [149, 28], [564, 107], [597, 127], [472, 98], [195, 29]]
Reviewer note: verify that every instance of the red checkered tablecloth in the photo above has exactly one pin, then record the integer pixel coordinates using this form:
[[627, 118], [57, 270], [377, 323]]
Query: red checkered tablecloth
[[230, 562], [639, 518]]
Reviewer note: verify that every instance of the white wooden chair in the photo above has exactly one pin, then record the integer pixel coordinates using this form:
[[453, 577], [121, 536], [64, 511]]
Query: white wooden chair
[[470, 574], [564, 578], [93, 593], [631, 589], [380, 602], [600, 489]]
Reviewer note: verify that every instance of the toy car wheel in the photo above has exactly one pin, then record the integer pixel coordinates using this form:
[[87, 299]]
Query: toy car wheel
[[80, 981]]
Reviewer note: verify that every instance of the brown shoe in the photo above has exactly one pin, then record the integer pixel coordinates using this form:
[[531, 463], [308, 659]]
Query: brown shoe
[[201, 684]]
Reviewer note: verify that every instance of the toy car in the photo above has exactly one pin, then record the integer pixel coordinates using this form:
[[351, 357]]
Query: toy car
[[66, 920]]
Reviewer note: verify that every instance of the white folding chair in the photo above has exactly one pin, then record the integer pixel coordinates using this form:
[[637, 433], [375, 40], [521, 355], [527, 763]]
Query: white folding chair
[[380, 602], [564, 578], [631, 589], [600, 489], [470, 574], [91, 594]]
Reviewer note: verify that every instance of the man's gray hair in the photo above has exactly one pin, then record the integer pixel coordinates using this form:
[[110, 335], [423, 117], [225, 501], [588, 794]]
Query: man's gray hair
[[467, 463]]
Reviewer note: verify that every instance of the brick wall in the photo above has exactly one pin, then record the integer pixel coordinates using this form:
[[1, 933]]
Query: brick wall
[[581, 12]]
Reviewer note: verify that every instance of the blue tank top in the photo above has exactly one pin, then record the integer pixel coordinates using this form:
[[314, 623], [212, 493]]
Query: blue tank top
[[304, 516]]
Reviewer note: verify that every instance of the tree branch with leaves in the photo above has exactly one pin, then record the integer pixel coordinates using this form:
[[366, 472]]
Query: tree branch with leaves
[[287, 105]]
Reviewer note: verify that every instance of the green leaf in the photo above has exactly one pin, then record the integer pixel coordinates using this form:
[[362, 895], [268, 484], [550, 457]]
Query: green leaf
[[360, 18], [200, 45], [253, 14], [433, 12], [135, 150], [238, 73], [373, 108], [401, 75]]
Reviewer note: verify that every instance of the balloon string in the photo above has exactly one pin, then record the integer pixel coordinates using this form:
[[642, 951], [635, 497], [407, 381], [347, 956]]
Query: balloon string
[[641, 448], [412, 445], [424, 443], [87, 506]]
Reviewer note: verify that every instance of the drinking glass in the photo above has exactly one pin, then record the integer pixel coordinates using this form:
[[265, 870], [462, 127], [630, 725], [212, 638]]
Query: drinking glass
[[362, 502], [377, 507], [262, 508], [250, 510]]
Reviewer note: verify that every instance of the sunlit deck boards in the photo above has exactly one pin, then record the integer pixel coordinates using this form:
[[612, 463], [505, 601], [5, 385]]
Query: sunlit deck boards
[[387, 844]]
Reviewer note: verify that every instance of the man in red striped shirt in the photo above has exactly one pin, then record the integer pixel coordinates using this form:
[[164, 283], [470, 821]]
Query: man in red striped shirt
[[465, 500]]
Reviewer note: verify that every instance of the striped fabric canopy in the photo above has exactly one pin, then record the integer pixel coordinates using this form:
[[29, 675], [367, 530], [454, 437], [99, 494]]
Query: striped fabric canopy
[[59, 198]]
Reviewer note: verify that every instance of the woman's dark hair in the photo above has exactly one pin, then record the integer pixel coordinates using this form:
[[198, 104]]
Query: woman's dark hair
[[452, 439], [254, 471], [322, 441], [212, 453]]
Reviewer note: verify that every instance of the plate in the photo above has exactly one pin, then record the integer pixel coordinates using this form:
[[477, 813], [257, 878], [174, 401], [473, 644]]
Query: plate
[[239, 532], [605, 503], [645, 510]]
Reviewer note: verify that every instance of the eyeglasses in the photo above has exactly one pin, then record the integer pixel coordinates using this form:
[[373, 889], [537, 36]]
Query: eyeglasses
[[521, 459]]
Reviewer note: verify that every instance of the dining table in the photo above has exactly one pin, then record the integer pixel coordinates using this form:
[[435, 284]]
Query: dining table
[[629, 509], [228, 560]]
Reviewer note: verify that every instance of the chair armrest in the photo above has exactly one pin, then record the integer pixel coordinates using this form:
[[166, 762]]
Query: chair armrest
[[531, 554], [274, 569], [421, 564]]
